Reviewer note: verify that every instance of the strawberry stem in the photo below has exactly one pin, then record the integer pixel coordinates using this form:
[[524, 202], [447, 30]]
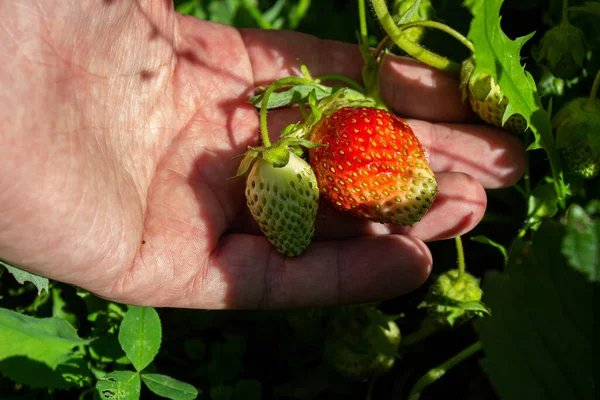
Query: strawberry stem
[[428, 328], [461, 255], [410, 47], [362, 17], [278, 84], [442, 27], [341, 78], [384, 42], [565, 12], [590, 104], [436, 373]]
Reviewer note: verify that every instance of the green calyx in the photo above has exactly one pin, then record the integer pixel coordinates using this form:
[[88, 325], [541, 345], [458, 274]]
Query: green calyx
[[329, 105], [562, 50], [277, 154], [454, 298]]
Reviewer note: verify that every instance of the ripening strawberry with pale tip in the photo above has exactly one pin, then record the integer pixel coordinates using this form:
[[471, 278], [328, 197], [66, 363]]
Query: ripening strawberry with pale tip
[[371, 165]]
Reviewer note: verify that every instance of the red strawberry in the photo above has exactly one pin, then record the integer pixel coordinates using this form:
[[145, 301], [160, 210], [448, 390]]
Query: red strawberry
[[372, 165]]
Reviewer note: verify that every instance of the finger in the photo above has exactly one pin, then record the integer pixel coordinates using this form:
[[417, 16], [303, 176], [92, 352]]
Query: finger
[[409, 87], [456, 210], [491, 155], [246, 272]]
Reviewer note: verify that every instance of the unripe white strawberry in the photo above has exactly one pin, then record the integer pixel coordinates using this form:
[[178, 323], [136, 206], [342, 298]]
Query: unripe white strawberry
[[284, 200]]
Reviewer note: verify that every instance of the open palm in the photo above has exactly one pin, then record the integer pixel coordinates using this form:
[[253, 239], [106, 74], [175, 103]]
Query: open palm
[[120, 124]]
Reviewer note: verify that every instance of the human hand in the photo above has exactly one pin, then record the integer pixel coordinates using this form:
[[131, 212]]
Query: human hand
[[120, 121]]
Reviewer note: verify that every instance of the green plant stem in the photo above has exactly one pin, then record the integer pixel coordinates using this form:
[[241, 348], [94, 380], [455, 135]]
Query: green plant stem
[[411, 48], [341, 78], [427, 328], [371, 388], [461, 255], [442, 27], [591, 103], [301, 10], [278, 84], [521, 191], [565, 12], [436, 373], [256, 15], [362, 17], [381, 45]]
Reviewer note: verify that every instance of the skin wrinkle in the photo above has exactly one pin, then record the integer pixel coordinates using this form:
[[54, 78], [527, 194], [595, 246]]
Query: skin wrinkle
[[275, 263], [265, 297]]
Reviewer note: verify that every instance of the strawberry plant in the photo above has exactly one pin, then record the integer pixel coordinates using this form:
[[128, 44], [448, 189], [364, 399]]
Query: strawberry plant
[[508, 311]]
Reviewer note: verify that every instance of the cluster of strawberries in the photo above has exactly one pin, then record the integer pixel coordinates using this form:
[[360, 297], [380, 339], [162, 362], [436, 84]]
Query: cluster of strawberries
[[367, 162]]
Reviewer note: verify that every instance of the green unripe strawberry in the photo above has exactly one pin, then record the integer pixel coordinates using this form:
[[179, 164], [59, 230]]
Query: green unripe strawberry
[[424, 12], [577, 127], [562, 50], [487, 100], [284, 201], [359, 359], [454, 298], [363, 342]]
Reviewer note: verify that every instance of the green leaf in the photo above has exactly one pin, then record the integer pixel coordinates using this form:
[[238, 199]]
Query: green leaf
[[47, 340], [499, 57], [168, 387], [581, 244], [407, 16], [40, 352], [60, 307], [541, 204], [247, 389], [70, 373], [21, 276], [106, 349], [295, 95], [140, 335], [539, 341], [247, 162], [298, 12], [439, 300], [485, 240], [119, 385], [274, 12], [223, 12], [187, 7]]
